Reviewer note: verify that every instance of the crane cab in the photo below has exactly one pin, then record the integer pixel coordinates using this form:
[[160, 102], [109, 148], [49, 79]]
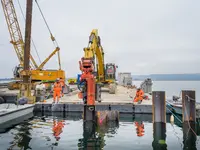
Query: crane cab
[[17, 71]]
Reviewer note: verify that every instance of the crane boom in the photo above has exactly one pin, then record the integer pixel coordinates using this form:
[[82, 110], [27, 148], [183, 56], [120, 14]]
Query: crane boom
[[47, 59], [37, 73], [15, 32]]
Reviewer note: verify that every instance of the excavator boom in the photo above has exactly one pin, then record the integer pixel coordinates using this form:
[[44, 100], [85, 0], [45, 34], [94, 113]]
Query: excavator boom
[[94, 51]]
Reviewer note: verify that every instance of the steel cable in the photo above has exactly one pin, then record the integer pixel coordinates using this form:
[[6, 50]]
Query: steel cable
[[53, 39]]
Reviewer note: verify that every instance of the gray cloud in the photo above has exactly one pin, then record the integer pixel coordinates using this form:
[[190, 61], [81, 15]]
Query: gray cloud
[[140, 36]]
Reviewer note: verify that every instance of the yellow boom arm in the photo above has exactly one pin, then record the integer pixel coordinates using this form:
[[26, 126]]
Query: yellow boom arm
[[15, 32], [16, 36], [95, 49], [47, 59]]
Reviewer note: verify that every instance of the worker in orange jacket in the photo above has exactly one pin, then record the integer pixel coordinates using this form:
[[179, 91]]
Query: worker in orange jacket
[[62, 82], [57, 88], [139, 95]]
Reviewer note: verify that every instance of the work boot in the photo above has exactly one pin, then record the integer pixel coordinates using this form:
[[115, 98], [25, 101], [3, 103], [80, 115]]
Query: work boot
[[140, 101]]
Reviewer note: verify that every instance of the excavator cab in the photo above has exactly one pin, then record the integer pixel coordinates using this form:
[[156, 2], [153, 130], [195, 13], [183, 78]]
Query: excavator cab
[[17, 71], [110, 72]]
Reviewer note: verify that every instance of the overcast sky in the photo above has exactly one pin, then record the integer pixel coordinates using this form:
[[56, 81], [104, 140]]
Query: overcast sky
[[140, 36]]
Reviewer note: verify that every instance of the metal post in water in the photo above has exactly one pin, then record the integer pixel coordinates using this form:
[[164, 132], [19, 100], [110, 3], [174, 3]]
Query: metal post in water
[[189, 106], [189, 119], [189, 136], [90, 139], [89, 113], [159, 106], [159, 136]]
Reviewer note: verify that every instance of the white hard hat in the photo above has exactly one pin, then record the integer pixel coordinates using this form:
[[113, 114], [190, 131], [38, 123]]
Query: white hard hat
[[57, 79]]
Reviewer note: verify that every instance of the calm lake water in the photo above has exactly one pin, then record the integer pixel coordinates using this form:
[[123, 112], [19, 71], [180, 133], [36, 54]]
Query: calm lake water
[[174, 87], [41, 133]]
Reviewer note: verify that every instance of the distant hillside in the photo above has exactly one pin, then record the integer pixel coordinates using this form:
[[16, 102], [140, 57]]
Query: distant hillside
[[169, 77]]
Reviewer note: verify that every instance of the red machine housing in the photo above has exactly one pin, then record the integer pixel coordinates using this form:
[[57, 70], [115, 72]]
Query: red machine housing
[[87, 68]]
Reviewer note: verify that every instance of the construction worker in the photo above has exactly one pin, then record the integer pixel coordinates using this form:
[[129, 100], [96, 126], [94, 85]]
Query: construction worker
[[57, 88], [62, 82], [139, 95]]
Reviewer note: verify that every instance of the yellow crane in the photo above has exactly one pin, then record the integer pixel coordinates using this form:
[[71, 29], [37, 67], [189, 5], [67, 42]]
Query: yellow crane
[[37, 72], [105, 73]]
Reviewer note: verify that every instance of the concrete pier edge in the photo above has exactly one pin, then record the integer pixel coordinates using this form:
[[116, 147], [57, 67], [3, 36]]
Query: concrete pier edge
[[70, 107]]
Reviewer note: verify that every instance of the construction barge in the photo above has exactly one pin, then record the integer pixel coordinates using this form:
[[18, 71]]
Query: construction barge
[[121, 101]]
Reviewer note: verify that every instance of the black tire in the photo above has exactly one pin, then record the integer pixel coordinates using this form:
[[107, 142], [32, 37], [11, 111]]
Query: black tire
[[2, 100]]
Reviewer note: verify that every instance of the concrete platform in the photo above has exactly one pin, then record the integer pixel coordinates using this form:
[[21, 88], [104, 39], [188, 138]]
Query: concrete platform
[[122, 96], [121, 101]]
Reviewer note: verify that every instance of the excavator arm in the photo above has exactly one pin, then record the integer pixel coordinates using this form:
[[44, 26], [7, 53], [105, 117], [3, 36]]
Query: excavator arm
[[95, 51], [105, 73]]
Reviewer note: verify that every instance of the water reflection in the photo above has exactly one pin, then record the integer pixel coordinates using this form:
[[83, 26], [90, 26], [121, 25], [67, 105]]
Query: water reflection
[[159, 136], [22, 138], [57, 129], [139, 128], [94, 134], [189, 136]]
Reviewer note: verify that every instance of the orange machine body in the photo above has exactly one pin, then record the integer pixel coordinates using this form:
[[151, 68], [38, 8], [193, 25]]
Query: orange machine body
[[86, 66], [90, 87]]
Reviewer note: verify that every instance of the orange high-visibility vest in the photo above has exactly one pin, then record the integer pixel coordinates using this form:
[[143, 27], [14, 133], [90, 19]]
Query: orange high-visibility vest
[[57, 87], [140, 93], [62, 82]]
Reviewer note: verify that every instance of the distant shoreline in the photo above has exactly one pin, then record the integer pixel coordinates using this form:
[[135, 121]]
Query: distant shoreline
[[169, 77], [165, 80]]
